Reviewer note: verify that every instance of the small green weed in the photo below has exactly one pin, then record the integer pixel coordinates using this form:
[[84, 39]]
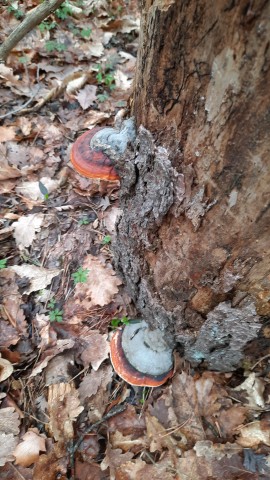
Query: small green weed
[[23, 59], [106, 240], [43, 189], [105, 77], [145, 394], [46, 26], [3, 263], [64, 11], [55, 314], [52, 45], [84, 221], [16, 11], [80, 276], [117, 322], [102, 97]]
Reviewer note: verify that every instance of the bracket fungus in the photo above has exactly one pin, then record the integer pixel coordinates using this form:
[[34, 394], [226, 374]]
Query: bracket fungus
[[141, 356], [92, 163], [95, 153]]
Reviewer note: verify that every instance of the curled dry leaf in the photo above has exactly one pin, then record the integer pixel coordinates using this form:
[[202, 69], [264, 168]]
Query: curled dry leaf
[[27, 452], [6, 369], [253, 434], [254, 388], [39, 277], [60, 346], [101, 285]]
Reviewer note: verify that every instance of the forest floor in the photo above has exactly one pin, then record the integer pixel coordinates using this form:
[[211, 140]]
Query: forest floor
[[64, 413]]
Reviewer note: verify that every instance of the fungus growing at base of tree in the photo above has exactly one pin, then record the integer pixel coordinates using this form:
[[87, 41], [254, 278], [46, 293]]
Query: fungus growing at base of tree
[[89, 162], [141, 356], [94, 154]]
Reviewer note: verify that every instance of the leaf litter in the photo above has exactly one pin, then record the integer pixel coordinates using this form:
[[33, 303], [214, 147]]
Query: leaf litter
[[60, 416]]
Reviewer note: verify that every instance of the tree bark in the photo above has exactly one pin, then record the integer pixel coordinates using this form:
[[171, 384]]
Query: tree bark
[[193, 240]]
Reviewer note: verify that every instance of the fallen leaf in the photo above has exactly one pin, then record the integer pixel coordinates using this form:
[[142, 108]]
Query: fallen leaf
[[63, 408], [27, 452], [6, 369], [7, 134], [60, 346], [39, 277], [101, 285], [254, 388], [96, 351], [253, 434], [91, 382], [7, 446], [9, 421], [87, 96], [25, 229], [32, 189]]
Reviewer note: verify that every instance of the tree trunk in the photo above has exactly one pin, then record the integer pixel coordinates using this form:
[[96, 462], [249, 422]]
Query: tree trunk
[[193, 242]]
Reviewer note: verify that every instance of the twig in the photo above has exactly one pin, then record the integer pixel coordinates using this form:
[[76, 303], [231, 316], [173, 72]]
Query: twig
[[259, 361], [13, 112], [32, 19], [114, 411]]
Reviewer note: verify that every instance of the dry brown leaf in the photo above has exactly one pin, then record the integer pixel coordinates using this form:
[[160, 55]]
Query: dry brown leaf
[[207, 449], [122, 81], [25, 229], [87, 96], [60, 346], [7, 171], [110, 217], [13, 323], [93, 118], [7, 134], [39, 277], [27, 452], [7, 446], [113, 459], [158, 436], [253, 434], [254, 388], [96, 351], [6, 369], [63, 407], [91, 382], [9, 421], [101, 285]]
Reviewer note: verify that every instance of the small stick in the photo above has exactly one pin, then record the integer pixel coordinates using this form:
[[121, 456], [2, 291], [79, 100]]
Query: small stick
[[114, 411], [32, 19]]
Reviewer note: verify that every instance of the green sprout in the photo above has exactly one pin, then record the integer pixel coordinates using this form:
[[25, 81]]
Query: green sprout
[[117, 322], [106, 240], [46, 26], [43, 189], [3, 263], [63, 11], [56, 315], [80, 276], [84, 221], [52, 45]]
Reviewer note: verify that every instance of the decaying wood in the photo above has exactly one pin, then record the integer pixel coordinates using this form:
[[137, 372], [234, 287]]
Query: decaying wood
[[32, 19], [193, 241]]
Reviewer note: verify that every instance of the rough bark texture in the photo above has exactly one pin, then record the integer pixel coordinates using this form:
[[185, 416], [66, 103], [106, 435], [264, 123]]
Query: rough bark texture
[[193, 241]]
